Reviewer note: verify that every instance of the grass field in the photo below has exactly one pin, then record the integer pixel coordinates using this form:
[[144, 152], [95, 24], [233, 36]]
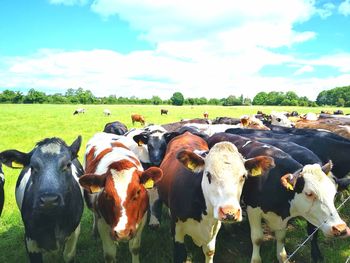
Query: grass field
[[21, 126]]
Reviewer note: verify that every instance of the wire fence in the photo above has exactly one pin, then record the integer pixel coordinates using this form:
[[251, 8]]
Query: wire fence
[[310, 236]]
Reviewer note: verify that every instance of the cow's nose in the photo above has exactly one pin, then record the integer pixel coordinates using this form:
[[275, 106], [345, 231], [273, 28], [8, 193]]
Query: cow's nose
[[229, 213], [49, 200], [339, 230], [123, 235]]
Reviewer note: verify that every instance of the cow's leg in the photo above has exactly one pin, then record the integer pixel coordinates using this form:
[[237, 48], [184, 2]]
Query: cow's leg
[[256, 232], [280, 250], [135, 243], [109, 249], [34, 254], [316, 254], [155, 208], [180, 253], [70, 247], [209, 249]]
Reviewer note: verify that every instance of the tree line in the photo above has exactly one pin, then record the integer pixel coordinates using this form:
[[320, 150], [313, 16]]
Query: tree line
[[339, 96]]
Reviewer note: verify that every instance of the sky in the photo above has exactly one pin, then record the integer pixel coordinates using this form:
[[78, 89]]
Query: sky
[[201, 48]]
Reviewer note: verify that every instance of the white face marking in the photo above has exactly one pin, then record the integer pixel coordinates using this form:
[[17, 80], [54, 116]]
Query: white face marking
[[121, 181], [226, 168], [318, 207], [52, 148]]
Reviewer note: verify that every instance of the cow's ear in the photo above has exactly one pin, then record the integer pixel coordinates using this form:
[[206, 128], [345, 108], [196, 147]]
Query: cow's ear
[[191, 161], [92, 182], [327, 168], [15, 159], [288, 181], [74, 148], [151, 176], [170, 135], [244, 121], [258, 165], [141, 138]]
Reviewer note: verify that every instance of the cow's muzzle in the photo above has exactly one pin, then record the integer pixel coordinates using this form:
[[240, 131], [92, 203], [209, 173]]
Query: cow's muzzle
[[230, 214], [50, 201], [341, 230]]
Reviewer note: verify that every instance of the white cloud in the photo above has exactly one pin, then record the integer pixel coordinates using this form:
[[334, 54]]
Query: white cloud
[[304, 69], [68, 2], [326, 10], [344, 8]]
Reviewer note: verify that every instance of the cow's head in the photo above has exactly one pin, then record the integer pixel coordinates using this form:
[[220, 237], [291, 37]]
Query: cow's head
[[251, 122], [278, 118], [224, 173], [123, 199], [153, 138], [314, 198], [51, 180]]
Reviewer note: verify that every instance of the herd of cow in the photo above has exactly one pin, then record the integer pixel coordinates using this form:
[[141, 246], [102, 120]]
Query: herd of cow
[[205, 173]]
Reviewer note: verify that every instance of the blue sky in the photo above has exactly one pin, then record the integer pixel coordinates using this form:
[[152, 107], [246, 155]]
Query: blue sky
[[201, 48]]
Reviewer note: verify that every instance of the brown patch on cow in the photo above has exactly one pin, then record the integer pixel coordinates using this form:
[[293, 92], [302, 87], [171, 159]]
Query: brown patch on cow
[[259, 164], [137, 118], [109, 203], [92, 162], [121, 165], [119, 144], [136, 161], [136, 203]]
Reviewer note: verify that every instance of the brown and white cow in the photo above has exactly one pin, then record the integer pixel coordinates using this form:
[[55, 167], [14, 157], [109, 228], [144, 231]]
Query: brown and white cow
[[202, 188], [137, 118], [116, 186]]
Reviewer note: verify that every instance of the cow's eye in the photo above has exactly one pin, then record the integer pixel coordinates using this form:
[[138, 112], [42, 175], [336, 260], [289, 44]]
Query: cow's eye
[[136, 195], [209, 177], [243, 177], [67, 166]]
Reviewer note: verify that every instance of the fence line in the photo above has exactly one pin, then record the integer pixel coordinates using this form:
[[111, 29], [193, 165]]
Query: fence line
[[308, 238]]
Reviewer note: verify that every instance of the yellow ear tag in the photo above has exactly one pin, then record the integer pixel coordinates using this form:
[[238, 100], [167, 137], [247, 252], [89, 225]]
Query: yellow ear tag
[[94, 189], [140, 143], [149, 184], [290, 186], [16, 165], [191, 166], [256, 171]]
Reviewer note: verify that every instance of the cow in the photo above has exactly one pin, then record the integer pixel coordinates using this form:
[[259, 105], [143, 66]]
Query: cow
[[202, 188], [338, 112], [226, 120], [310, 116], [163, 111], [2, 195], [137, 118], [107, 112], [205, 115], [279, 118], [115, 190], [79, 111], [174, 126], [287, 190], [49, 196], [115, 127]]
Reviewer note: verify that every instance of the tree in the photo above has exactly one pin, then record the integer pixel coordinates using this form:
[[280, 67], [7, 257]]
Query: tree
[[156, 100], [260, 98], [177, 99], [34, 96]]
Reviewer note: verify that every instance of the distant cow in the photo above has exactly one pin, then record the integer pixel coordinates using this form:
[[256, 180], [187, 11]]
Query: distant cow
[[286, 191], [163, 111], [226, 120], [115, 127], [205, 115], [2, 182], [202, 188], [137, 118], [107, 112], [279, 118], [49, 196], [115, 185], [338, 112], [79, 111]]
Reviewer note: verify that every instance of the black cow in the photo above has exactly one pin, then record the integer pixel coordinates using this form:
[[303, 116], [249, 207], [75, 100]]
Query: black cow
[[163, 111], [2, 182], [115, 127], [49, 196], [338, 112], [226, 120], [285, 191], [325, 145]]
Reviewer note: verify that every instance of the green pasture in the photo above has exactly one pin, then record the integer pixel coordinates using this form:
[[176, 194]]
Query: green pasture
[[21, 126]]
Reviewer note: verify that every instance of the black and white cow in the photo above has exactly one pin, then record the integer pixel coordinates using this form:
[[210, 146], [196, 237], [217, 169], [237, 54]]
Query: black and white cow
[[2, 182], [49, 196], [115, 127], [287, 190]]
